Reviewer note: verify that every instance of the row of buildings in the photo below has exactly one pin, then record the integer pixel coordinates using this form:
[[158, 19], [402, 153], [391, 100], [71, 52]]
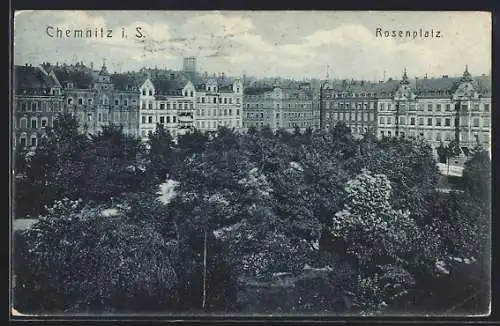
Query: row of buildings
[[437, 109]]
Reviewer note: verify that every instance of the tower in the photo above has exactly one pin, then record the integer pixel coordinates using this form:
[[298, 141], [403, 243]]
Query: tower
[[189, 65]]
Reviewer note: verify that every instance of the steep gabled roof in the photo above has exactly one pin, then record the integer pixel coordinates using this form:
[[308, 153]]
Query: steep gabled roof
[[169, 86], [80, 79], [32, 80]]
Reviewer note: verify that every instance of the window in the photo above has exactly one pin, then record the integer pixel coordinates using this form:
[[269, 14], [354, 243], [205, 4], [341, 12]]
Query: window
[[150, 92], [389, 120], [382, 120], [448, 107], [23, 122], [105, 116], [420, 121], [80, 101], [412, 121], [447, 122], [486, 107], [174, 106], [23, 140], [429, 107], [225, 100], [438, 122], [99, 117], [117, 102], [150, 105], [168, 119], [486, 122], [144, 92], [191, 94], [143, 119], [215, 100], [33, 140], [475, 107], [34, 106], [143, 104], [150, 119], [438, 107], [174, 119], [238, 112], [230, 101], [33, 123], [162, 119], [89, 117], [225, 112], [438, 136], [125, 102], [429, 121], [202, 101], [230, 111], [70, 101], [162, 106], [475, 122], [402, 120]]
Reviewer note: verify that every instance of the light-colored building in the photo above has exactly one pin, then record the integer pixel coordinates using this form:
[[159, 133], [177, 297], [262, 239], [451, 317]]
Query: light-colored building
[[167, 101], [219, 102], [438, 109]]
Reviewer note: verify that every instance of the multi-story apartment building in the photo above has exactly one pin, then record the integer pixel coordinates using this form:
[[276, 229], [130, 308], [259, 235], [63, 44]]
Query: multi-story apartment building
[[38, 99], [438, 109], [167, 101], [219, 102], [352, 102], [279, 107], [94, 99]]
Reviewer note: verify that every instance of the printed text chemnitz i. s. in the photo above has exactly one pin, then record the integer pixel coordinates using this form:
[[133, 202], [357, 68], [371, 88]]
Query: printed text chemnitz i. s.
[[89, 33]]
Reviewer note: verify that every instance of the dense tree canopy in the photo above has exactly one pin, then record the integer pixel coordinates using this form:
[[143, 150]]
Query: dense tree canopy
[[184, 224]]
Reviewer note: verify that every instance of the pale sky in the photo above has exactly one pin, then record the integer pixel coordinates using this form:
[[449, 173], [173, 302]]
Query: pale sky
[[297, 44]]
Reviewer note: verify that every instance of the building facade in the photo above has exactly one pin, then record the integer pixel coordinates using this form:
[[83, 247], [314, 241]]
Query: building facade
[[168, 102], [94, 100], [279, 107], [438, 109], [38, 99], [218, 103], [351, 102]]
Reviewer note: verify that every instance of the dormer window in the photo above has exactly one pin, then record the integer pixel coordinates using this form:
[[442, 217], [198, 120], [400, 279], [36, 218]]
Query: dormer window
[[150, 92], [144, 92], [191, 94]]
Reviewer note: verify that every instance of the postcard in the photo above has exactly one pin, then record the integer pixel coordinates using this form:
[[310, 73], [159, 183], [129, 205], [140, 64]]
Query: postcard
[[223, 164]]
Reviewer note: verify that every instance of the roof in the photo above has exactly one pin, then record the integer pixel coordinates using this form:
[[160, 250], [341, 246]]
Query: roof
[[80, 79], [32, 80], [127, 82], [169, 86], [257, 90]]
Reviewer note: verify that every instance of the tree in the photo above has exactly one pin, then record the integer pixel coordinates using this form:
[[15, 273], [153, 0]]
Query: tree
[[162, 157], [477, 176], [80, 258], [381, 240]]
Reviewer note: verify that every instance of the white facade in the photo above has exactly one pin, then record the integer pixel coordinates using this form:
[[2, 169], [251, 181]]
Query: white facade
[[175, 112], [219, 106]]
